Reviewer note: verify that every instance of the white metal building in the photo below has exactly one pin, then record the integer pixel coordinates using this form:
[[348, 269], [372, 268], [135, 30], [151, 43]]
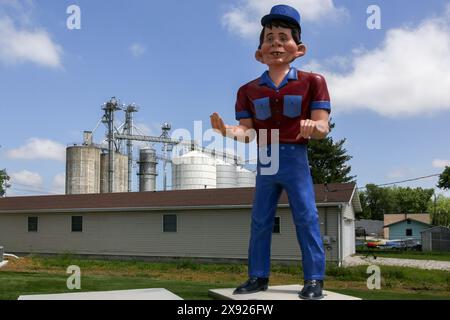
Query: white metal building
[[200, 224]]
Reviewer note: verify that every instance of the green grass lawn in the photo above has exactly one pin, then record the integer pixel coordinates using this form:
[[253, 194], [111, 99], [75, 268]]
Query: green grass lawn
[[189, 280], [14, 284]]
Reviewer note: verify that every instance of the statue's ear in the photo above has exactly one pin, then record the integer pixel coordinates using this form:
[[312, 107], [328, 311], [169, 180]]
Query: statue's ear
[[301, 50], [259, 56]]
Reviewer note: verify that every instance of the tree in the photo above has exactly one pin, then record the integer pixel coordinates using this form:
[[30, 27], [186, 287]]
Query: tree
[[4, 178], [440, 211], [377, 201], [444, 179], [409, 200], [328, 161]]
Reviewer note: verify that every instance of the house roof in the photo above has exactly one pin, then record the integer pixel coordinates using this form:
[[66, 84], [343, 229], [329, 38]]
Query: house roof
[[397, 217], [441, 228], [336, 194], [428, 224]]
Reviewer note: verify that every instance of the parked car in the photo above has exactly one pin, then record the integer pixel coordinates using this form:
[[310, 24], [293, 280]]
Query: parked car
[[413, 244], [404, 244], [394, 244]]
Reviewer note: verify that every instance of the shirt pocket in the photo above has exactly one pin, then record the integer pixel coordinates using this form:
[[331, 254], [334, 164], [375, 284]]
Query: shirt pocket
[[292, 107], [262, 108]]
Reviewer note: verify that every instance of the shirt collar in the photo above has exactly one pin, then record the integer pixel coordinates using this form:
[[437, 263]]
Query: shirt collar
[[265, 79]]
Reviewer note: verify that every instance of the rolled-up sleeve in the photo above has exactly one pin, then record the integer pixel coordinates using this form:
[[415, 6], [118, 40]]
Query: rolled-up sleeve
[[243, 105], [320, 95]]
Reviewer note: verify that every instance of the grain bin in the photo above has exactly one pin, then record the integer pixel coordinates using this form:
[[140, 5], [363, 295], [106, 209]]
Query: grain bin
[[120, 173], [226, 174], [193, 170], [147, 170], [82, 170], [245, 178]]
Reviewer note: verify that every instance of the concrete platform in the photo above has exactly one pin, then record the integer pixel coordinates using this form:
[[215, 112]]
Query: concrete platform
[[141, 294], [288, 292]]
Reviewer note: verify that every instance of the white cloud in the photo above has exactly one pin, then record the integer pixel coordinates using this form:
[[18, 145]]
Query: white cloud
[[20, 41], [26, 178], [441, 164], [59, 183], [36, 148], [21, 10], [244, 19], [407, 75], [137, 50]]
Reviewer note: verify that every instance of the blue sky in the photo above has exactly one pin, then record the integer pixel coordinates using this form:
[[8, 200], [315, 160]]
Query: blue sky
[[180, 61]]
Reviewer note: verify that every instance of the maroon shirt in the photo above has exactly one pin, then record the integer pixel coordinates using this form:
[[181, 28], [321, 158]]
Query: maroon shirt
[[282, 108]]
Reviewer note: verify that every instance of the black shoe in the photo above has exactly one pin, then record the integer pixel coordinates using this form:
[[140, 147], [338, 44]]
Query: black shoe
[[253, 285], [312, 290]]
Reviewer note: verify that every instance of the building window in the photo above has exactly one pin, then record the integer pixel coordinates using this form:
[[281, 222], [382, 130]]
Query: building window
[[170, 223], [77, 224], [276, 225], [32, 224], [409, 232]]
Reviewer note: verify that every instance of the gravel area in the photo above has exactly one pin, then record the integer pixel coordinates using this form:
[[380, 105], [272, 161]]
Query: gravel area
[[421, 264]]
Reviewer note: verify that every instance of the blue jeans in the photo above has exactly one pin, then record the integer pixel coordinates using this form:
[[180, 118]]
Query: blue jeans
[[294, 176]]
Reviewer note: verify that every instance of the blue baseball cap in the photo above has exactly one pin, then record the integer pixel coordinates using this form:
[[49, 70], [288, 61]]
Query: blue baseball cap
[[282, 12]]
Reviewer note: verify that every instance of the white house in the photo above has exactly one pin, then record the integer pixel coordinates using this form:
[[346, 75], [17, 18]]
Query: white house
[[210, 224]]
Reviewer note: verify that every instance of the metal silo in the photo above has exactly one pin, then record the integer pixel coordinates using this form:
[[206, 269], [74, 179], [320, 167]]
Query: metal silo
[[226, 174], [147, 170], [174, 176], [245, 178], [193, 170], [82, 170], [120, 173]]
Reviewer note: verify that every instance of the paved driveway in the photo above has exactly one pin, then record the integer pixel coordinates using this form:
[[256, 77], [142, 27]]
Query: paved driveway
[[421, 264]]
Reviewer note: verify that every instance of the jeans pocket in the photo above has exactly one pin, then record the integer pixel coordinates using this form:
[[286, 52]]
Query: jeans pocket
[[262, 108], [292, 106]]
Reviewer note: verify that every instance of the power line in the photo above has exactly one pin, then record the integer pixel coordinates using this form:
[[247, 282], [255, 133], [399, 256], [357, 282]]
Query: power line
[[47, 191], [384, 184], [34, 191], [28, 185], [403, 181], [388, 184]]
